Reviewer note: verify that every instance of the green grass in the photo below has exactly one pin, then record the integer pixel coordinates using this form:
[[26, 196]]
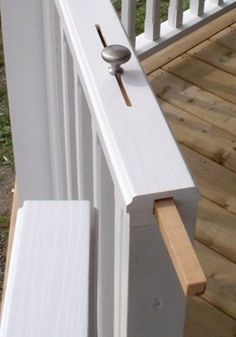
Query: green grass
[[6, 155]]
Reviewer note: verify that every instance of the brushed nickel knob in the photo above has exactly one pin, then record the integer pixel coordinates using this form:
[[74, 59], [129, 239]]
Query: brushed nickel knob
[[116, 55]]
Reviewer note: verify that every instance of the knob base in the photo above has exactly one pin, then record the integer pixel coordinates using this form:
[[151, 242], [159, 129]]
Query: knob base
[[115, 70]]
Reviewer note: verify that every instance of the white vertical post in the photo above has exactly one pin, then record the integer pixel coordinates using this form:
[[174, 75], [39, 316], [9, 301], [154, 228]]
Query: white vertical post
[[69, 118], [54, 97], [121, 264], [83, 143], [197, 7], [218, 2], [128, 18], [175, 13], [23, 36], [104, 202], [153, 19]]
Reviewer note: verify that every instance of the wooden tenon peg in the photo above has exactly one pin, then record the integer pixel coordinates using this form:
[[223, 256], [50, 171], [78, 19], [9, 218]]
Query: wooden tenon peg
[[179, 246]]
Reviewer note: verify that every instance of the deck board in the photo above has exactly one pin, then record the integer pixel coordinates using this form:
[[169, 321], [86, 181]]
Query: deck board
[[201, 136], [194, 100], [202, 318], [197, 92], [226, 37], [216, 228], [216, 183], [221, 276], [205, 76], [215, 53]]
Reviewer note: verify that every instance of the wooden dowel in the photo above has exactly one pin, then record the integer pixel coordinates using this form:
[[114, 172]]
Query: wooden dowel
[[179, 246]]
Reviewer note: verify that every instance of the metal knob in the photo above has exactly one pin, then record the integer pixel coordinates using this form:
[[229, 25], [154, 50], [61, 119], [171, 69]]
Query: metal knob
[[116, 55]]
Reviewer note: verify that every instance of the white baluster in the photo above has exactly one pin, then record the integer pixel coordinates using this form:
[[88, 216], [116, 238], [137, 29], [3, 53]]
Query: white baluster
[[153, 19], [218, 2], [104, 202], [69, 119], [175, 13], [197, 7], [83, 143], [54, 97], [121, 272], [128, 18]]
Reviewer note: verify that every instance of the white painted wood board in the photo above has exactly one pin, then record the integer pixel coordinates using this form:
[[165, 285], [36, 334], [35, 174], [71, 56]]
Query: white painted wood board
[[25, 66], [48, 282], [141, 152]]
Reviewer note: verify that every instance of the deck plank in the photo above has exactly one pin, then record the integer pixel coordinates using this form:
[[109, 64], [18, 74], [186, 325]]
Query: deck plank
[[216, 228], [216, 54], [204, 76], [221, 277], [202, 318], [226, 37], [201, 136], [194, 100], [216, 182]]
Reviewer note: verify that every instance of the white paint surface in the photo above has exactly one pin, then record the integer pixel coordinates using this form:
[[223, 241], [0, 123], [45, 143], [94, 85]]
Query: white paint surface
[[48, 282]]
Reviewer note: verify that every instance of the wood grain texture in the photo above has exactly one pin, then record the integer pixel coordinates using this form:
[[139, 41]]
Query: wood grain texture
[[201, 136], [194, 100], [176, 49], [221, 277], [203, 319], [179, 246], [204, 76], [216, 54], [226, 37], [216, 183], [48, 280], [216, 228]]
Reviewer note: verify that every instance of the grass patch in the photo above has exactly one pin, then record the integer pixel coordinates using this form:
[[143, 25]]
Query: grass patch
[[4, 220], [6, 154]]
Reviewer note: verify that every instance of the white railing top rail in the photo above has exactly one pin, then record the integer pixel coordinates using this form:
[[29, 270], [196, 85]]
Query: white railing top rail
[[140, 150]]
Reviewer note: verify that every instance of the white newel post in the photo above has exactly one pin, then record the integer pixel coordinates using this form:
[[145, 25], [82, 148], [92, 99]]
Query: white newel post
[[23, 34]]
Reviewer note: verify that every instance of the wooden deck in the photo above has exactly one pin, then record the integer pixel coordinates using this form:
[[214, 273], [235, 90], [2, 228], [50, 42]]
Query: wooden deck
[[197, 92]]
